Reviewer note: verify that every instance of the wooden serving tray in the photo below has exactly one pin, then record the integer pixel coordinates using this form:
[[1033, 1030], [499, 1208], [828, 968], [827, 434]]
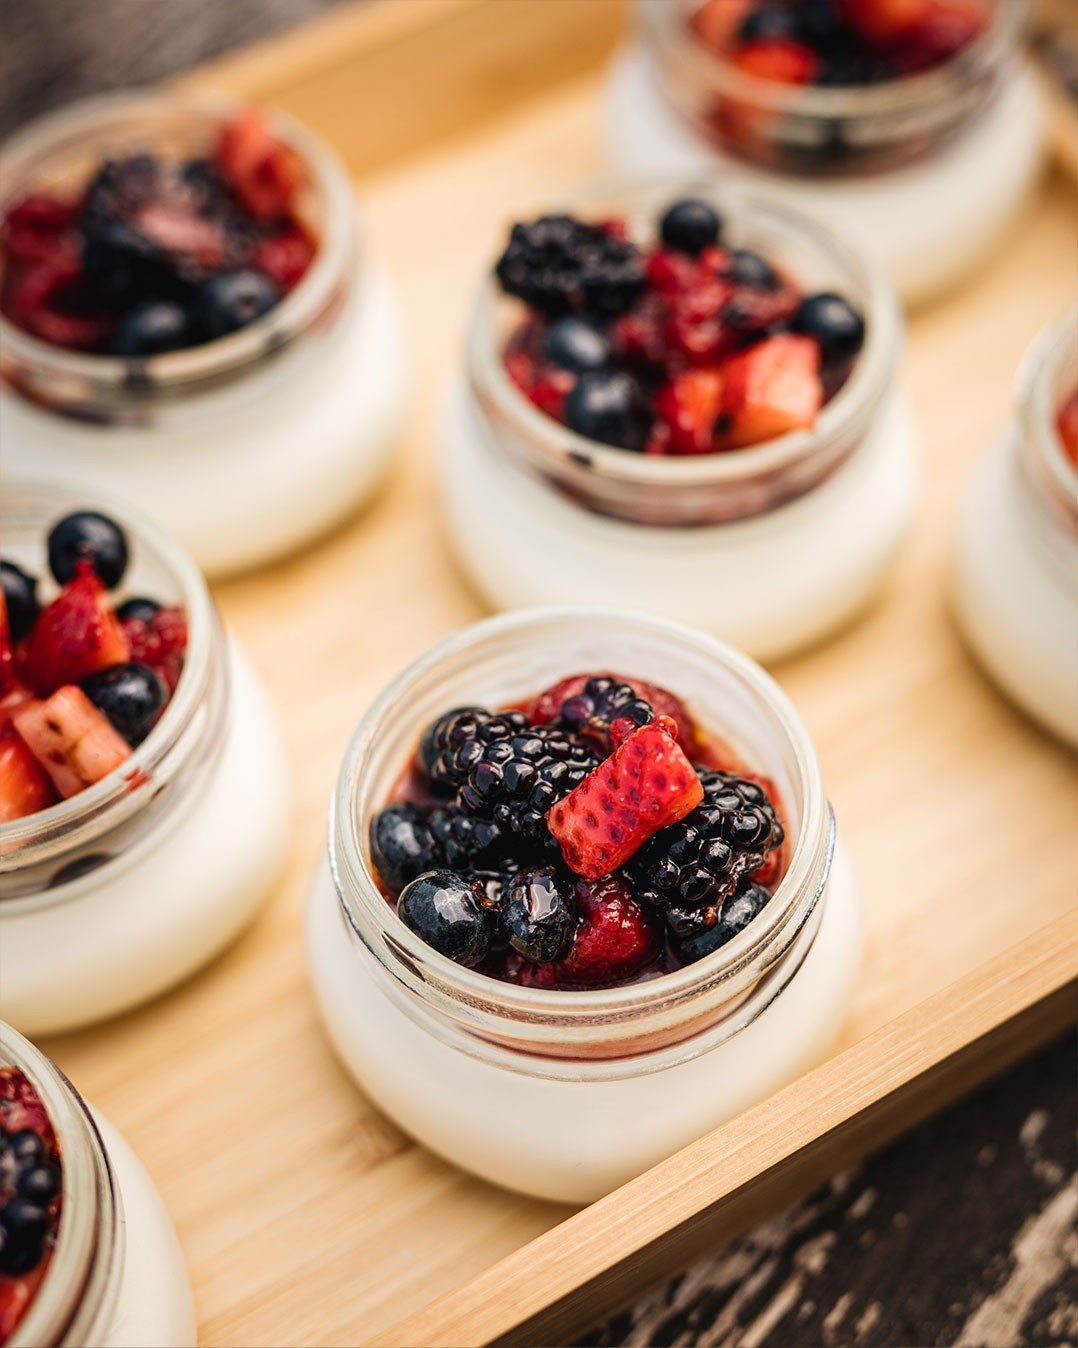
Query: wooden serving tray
[[307, 1217]]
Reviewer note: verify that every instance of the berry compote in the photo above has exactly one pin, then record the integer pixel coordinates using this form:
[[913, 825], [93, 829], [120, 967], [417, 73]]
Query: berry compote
[[30, 1192], [154, 254], [1067, 425], [592, 837], [678, 344], [84, 676]]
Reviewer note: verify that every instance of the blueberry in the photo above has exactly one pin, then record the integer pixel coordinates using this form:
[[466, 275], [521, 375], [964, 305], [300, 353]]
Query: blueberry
[[138, 607], [734, 915], [130, 695], [835, 323], [20, 595], [229, 301], [750, 269], [575, 344], [39, 1185], [768, 23], [25, 1226], [87, 536], [445, 910], [536, 916], [402, 845], [610, 406], [26, 1148], [152, 327], [690, 226]]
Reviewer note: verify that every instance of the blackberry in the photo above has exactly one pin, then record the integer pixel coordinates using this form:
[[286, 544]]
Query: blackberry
[[610, 406], [697, 932], [28, 1184], [561, 265], [537, 915], [463, 842], [602, 701], [699, 860], [454, 743]]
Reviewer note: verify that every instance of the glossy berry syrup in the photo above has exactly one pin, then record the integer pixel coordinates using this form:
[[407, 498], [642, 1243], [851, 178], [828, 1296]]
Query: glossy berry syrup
[[592, 837], [29, 1197]]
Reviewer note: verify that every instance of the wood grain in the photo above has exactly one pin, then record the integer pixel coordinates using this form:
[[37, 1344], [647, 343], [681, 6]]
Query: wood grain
[[307, 1217]]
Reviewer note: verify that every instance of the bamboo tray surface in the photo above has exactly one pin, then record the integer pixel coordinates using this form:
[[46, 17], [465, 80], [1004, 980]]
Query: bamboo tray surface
[[305, 1215]]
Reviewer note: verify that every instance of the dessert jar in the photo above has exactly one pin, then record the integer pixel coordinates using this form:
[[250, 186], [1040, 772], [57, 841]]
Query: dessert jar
[[116, 893], [116, 1277], [566, 1094], [1016, 556], [245, 447], [927, 173], [772, 547]]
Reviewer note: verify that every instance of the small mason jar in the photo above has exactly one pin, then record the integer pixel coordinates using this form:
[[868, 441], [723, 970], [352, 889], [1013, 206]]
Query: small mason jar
[[116, 1277], [116, 893], [245, 447], [927, 172], [772, 547], [1016, 559], [567, 1094]]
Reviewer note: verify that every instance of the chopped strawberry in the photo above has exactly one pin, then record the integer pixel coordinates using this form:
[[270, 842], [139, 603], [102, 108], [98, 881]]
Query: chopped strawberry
[[25, 788], [1068, 428], [284, 257], [159, 643], [7, 655], [11, 701], [772, 388], [690, 404], [886, 21], [778, 59], [615, 941], [645, 784], [76, 635], [35, 226], [74, 742], [265, 175]]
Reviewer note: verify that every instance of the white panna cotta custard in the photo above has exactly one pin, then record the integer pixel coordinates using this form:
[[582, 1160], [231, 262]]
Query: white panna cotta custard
[[927, 173], [566, 1094], [115, 1275], [116, 893], [1016, 572], [772, 547], [247, 446]]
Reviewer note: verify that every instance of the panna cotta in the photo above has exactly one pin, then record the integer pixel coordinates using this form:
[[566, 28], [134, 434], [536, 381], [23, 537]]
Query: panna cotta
[[88, 1256], [671, 388], [1016, 561], [915, 126], [143, 793], [190, 319], [604, 875]]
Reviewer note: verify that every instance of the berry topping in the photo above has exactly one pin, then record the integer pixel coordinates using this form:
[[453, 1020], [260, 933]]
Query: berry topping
[[153, 327], [75, 636], [611, 407], [402, 845], [131, 695], [30, 1192], [747, 268], [1067, 425], [573, 343], [447, 911], [561, 265], [25, 786], [88, 537], [602, 703], [20, 597], [690, 226], [617, 937], [139, 607], [837, 327], [646, 784], [711, 926], [536, 916], [73, 741], [234, 299], [771, 389]]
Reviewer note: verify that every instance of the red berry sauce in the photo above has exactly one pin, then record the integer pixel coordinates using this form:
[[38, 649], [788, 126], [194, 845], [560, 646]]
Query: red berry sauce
[[593, 836], [30, 1197], [155, 254]]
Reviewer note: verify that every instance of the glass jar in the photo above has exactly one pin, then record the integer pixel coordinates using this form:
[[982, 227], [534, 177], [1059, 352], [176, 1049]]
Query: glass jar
[[540, 515], [245, 447], [116, 1278], [566, 1094], [1016, 562], [116, 893], [926, 173]]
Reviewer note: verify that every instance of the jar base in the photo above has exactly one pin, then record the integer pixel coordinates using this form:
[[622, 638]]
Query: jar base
[[927, 224]]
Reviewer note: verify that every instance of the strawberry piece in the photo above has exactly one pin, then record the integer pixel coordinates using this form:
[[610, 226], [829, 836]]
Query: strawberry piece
[[778, 59], [284, 257], [690, 405], [15, 1297], [885, 21], [25, 787], [76, 635], [35, 225], [645, 784], [75, 743], [265, 175], [772, 388], [159, 643], [7, 655], [615, 941], [12, 701], [1067, 425]]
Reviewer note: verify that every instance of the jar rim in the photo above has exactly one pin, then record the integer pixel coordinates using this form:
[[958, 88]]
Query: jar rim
[[76, 1281], [414, 963], [664, 22], [175, 372], [82, 816], [589, 466]]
